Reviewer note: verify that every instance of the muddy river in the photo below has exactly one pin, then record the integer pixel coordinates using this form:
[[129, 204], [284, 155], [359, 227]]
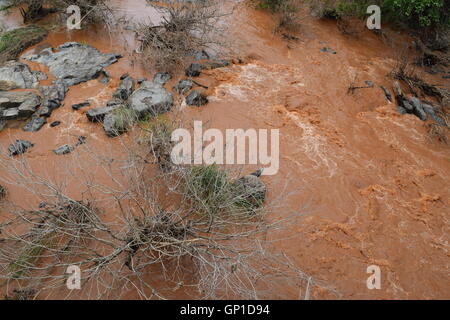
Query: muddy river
[[372, 187]]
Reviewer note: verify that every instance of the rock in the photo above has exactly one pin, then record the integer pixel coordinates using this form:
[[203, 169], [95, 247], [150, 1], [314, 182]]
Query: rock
[[2, 192], [13, 42], [2, 124], [25, 100], [125, 89], [104, 77], [402, 110], [370, 84], [251, 191], [55, 124], [19, 147], [387, 93], [408, 107], [430, 111], [65, 149], [418, 109], [329, 50], [151, 99], [53, 97], [114, 102], [73, 63], [115, 124], [28, 107], [196, 98], [10, 114], [17, 75], [201, 55], [34, 124], [140, 80], [98, 114], [183, 86], [81, 140], [162, 78], [78, 106], [216, 64], [194, 70]]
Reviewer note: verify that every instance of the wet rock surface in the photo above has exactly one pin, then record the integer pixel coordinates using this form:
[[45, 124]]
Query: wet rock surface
[[125, 89], [19, 147], [151, 99], [184, 86], [196, 98], [73, 63], [17, 75], [35, 124], [65, 149]]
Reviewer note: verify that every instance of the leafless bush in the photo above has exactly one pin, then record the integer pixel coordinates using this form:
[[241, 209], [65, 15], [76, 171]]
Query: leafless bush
[[186, 27], [188, 223]]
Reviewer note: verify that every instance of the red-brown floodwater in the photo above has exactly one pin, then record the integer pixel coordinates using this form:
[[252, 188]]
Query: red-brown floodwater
[[373, 186]]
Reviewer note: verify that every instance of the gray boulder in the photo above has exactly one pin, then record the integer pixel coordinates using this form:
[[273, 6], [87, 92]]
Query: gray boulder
[[162, 78], [98, 114], [15, 99], [10, 114], [73, 63], [151, 99], [65, 149], [184, 86], [17, 75], [196, 98], [116, 124], [194, 70], [418, 109], [35, 124], [19, 147]]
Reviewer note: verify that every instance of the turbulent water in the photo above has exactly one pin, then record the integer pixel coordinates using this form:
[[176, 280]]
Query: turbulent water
[[373, 186]]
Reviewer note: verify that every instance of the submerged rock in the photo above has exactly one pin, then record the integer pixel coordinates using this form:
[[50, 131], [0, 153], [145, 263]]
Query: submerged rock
[[55, 124], [73, 63], [196, 98], [19, 147], [151, 99], [65, 149], [17, 75]]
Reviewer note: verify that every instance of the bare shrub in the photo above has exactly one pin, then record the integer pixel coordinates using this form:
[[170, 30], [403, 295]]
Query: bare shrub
[[186, 27], [190, 224]]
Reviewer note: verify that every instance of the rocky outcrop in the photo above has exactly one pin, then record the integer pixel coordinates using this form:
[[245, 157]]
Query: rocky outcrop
[[18, 104], [19, 147], [73, 63], [151, 99], [17, 75]]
